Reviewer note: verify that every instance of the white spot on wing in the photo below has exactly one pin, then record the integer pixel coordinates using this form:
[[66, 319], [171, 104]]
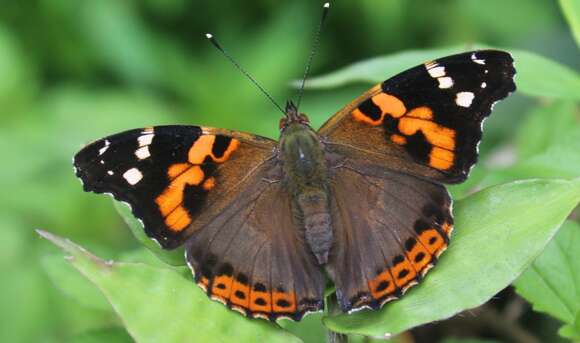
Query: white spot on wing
[[464, 99], [477, 60], [103, 149], [445, 82], [145, 139], [436, 72], [110, 172], [483, 85], [142, 153], [133, 176]]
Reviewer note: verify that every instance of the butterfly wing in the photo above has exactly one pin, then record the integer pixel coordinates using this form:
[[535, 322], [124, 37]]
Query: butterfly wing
[[389, 230], [219, 192], [427, 120], [253, 259], [175, 178]]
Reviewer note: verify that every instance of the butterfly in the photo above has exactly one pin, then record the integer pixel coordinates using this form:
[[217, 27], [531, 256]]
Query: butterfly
[[360, 201]]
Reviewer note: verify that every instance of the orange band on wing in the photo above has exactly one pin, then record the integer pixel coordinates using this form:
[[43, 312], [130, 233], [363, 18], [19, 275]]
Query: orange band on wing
[[436, 134], [176, 169], [203, 147], [181, 175], [390, 104], [398, 139], [169, 202], [422, 112], [233, 146], [384, 104], [358, 115], [440, 158], [373, 110], [209, 183]]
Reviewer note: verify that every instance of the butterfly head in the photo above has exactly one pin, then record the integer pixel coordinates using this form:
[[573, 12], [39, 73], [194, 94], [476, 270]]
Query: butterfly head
[[292, 116]]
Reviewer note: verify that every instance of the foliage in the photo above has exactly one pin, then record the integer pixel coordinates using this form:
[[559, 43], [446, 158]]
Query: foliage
[[552, 283]]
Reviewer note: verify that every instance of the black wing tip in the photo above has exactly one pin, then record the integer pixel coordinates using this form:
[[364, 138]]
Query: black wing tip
[[166, 242]]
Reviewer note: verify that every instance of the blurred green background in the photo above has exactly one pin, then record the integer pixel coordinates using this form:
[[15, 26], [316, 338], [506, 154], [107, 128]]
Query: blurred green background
[[72, 71]]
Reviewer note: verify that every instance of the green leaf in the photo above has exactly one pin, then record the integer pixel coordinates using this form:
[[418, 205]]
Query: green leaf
[[172, 257], [552, 283], [560, 159], [17, 84], [73, 285], [131, 54], [109, 335], [542, 77], [571, 331], [158, 304], [536, 75], [571, 10], [544, 126], [498, 233]]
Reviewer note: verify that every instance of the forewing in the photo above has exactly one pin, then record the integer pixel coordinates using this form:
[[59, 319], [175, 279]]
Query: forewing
[[390, 229], [253, 259], [427, 120], [175, 178]]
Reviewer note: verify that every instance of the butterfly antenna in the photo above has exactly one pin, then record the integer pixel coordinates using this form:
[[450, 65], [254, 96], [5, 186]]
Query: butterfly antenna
[[325, 9], [215, 43]]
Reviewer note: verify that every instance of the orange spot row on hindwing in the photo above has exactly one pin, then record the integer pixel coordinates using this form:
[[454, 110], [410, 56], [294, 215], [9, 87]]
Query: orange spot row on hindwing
[[257, 300], [403, 271], [417, 257], [382, 285], [418, 254], [433, 241]]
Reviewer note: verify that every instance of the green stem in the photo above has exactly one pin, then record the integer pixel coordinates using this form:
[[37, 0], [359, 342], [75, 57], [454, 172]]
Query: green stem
[[334, 308]]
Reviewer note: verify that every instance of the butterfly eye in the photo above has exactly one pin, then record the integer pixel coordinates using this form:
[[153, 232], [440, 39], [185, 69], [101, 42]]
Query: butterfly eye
[[283, 122]]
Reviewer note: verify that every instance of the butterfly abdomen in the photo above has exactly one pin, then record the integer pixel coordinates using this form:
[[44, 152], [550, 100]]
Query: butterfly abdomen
[[313, 205], [306, 179]]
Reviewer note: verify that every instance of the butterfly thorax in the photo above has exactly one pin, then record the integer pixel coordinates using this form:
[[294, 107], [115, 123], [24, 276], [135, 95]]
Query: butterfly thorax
[[305, 177]]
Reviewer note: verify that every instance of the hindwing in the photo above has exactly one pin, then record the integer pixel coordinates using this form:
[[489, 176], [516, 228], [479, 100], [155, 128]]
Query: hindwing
[[390, 228]]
